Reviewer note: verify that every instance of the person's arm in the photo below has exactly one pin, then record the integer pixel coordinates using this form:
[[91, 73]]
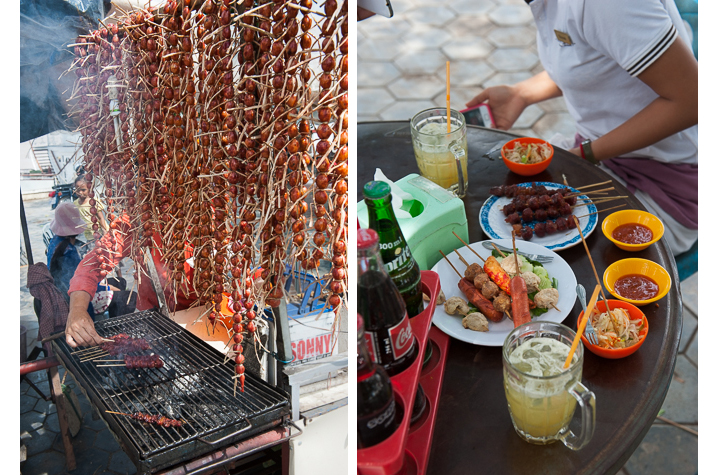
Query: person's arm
[[80, 329], [102, 221], [508, 102], [88, 273], [674, 77]]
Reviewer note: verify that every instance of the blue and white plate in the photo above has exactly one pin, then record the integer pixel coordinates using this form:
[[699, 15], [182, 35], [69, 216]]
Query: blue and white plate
[[493, 222]]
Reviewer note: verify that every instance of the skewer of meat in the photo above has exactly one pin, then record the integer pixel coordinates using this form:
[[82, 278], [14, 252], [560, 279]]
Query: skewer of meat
[[151, 419], [476, 298], [536, 204], [519, 294], [136, 362]]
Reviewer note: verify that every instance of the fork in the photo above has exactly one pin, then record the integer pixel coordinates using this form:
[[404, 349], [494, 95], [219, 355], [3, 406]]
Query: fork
[[533, 257], [589, 332]]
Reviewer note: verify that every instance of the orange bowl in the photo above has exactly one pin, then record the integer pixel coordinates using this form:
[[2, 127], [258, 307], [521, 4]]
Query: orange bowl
[[632, 216], [524, 168], [634, 314]]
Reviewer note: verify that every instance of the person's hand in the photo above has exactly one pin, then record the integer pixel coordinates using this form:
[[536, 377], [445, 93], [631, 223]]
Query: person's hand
[[576, 151], [80, 329], [506, 104]]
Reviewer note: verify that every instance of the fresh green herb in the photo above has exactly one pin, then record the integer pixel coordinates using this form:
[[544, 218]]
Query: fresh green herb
[[554, 282], [472, 308], [496, 254], [535, 263], [536, 312]]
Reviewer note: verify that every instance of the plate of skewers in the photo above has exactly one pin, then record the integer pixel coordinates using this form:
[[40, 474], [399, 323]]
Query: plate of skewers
[[465, 316], [542, 212]]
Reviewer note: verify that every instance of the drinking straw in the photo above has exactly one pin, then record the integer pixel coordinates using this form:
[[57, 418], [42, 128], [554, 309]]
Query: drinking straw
[[448, 98], [583, 324]]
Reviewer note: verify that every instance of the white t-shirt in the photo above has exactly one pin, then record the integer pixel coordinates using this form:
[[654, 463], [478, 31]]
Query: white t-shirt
[[613, 41]]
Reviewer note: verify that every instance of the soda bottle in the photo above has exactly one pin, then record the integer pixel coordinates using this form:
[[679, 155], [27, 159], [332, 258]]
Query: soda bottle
[[396, 255], [388, 334], [376, 408]]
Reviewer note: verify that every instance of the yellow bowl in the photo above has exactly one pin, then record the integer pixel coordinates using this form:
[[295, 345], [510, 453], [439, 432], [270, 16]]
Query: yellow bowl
[[637, 266], [628, 216]]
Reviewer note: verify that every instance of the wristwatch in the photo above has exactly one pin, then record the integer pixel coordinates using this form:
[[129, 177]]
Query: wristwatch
[[587, 154]]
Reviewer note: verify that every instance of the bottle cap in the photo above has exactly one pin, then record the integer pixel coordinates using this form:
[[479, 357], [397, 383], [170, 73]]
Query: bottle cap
[[376, 190], [367, 238]]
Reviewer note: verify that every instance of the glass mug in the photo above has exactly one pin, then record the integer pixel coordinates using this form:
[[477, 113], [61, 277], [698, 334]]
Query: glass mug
[[541, 394], [441, 157]]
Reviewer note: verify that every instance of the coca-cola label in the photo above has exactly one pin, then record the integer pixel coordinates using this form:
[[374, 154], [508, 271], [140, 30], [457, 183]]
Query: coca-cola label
[[370, 339], [402, 338], [384, 419]]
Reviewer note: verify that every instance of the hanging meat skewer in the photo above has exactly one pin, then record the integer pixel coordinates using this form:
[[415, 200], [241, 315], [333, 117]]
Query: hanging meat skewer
[[222, 137]]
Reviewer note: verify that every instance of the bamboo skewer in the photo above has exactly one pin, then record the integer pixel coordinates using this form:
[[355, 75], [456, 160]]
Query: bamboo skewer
[[501, 252], [593, 185], [603, 210], [461, 257], [85, 350], [599, 201], [590, 192], [591, 261], [93, 357], [107, 365], [452, 266], [469, 247]]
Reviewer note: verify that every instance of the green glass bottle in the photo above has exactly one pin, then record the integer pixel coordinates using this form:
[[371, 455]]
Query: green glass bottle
[[396, 255]]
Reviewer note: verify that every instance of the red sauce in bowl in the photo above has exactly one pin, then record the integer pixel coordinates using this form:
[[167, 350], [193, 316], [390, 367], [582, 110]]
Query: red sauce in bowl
[[633, 233], [636, 287]]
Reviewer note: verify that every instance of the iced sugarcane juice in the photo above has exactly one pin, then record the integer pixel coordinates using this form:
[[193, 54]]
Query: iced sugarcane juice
[[434, 156], [537, 395]]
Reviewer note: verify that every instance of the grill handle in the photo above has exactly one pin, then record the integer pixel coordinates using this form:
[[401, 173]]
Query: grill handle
[[202, 439]]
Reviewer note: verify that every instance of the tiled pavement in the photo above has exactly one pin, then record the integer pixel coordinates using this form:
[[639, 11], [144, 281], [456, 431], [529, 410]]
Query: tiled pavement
[[402, 70]]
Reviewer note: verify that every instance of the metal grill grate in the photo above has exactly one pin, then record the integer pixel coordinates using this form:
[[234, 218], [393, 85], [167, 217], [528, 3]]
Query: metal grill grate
[[195, 385]]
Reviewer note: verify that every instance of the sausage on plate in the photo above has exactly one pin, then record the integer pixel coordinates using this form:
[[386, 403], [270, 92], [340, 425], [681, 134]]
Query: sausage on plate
[[476, 298]]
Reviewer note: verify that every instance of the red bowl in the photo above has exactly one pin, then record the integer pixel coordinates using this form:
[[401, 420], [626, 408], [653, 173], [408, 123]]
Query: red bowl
[[634, 314], [524, 168]]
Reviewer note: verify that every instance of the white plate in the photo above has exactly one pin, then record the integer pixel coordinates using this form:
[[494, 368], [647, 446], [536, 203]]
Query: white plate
[[495, 336], [493, 222]]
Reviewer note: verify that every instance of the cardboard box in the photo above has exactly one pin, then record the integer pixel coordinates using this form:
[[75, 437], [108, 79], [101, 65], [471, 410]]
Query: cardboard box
[[312, 339]]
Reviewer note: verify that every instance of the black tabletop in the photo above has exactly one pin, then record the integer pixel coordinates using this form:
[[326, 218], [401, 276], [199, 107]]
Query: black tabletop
[[473, 431]]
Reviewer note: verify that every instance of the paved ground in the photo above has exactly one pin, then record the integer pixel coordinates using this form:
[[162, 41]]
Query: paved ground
[[402, 70], [95, 449]]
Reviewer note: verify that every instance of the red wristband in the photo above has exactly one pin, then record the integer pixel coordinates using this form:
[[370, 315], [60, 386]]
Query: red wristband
[[581, 150]]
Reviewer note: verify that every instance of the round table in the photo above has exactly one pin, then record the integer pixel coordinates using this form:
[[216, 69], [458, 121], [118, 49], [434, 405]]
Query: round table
[[473, 431]]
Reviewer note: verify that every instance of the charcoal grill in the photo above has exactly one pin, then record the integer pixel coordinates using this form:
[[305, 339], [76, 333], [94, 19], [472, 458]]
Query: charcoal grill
[[194, 385]]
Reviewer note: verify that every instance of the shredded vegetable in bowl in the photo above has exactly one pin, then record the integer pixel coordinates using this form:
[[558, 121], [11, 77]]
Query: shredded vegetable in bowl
[[528, 154], [615, 329]]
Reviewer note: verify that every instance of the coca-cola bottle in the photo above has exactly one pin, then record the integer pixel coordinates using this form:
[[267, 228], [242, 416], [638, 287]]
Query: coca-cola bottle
[[376, 409], [396, 255], [388, 334]]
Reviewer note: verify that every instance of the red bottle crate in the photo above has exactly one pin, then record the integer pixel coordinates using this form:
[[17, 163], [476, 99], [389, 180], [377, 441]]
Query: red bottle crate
[[407, 450]]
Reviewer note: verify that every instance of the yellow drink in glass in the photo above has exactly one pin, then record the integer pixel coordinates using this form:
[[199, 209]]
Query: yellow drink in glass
[[540, 407], [542, 395], [436, 150]]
